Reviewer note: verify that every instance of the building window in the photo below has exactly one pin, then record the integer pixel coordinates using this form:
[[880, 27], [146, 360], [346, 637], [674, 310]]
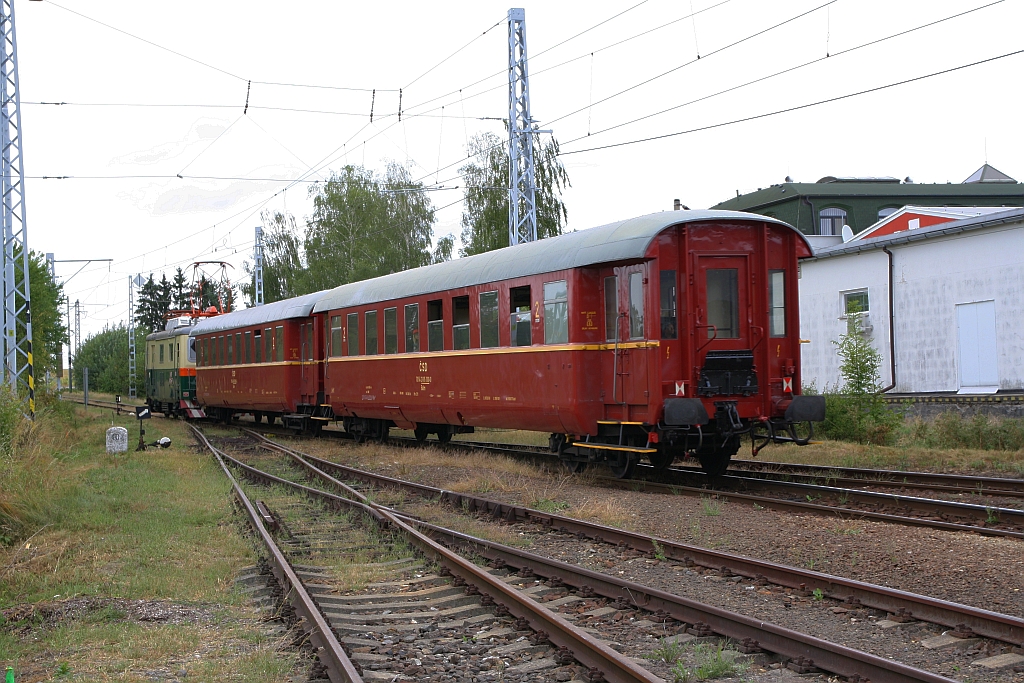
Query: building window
[[636, 305], [257, 338], [460, 322], [723, 303], [336, 335], [371, 333], [669, 330], [887, 211], [611, 307], [777, 303], [855, 302], [435, 325], [161, 353], [248, 347], [390, 330], [412, 328], [831, 221], [556, 312], [519, 304], [279, 342], [488, 320], [353, 334]]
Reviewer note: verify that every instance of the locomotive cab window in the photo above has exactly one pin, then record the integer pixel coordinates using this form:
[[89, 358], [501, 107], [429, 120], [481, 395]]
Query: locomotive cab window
[[669, 328], [353, 334], [520, 306], [636, 305], [460, 322], [435, 325], [336, 348], [257, 339], [412, 328], [371, 333], [390, 330], [556, 312], [488, 320], [777, 303], [611, 307], [723, 303]]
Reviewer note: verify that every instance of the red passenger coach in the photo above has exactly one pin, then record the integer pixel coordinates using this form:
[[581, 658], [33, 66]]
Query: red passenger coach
[[652, 338], [262, 361]]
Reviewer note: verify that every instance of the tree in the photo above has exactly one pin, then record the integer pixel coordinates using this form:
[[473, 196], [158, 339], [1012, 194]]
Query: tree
[[486, 178], [154, 302], [48, 329], [181, 293], [283, 272], [106, 355], [365, 225]]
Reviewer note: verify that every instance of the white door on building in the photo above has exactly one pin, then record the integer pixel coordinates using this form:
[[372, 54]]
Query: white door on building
[[976, 324]]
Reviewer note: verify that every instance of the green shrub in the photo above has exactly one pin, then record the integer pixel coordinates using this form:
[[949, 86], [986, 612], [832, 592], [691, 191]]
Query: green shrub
[[952, 430]]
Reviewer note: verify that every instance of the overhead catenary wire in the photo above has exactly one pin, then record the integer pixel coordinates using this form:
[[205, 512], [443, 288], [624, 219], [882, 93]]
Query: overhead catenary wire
[[799, 107], [788, 70]]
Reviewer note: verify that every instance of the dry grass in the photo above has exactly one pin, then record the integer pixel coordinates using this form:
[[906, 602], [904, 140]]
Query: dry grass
[[844, 454], [606, 511], [467, 524]]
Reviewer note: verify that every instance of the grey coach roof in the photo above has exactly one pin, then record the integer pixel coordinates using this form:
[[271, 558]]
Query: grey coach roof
[[1011, 215], [297, 307], [619, 241]]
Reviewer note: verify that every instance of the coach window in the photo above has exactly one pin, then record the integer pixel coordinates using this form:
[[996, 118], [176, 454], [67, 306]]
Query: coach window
[[218, 356], [237, 358], [353, 334], [556, 312], [412, 328], [371, 333], [230, 350], [460, 322], [257, 345], [390, 330], [435, 325], [279, 342], [669, 329], [519, 304], [488, 320], [636, 305], [248, 348], [268, 345], [777, 303], [723, 296], [611, 308], [336, 349]]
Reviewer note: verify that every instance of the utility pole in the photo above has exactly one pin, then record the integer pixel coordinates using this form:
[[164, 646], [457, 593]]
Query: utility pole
[[78, 328], [18, 368], [522, 204], [257, 252], [52, 262]]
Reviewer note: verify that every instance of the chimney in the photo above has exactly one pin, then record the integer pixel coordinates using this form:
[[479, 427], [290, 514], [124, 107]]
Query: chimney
[[676, 205]]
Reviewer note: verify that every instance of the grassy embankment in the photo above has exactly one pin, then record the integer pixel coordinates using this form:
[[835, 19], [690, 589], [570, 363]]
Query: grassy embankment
[[153, 530]]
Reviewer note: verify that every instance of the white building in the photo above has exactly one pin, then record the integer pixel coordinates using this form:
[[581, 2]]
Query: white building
[[944, 305]]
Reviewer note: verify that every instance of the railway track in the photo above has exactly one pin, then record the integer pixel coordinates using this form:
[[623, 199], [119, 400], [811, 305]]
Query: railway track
[[536, 574]]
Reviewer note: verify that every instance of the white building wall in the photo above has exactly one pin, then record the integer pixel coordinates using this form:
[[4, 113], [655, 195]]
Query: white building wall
[[822, 319], [930, 278]]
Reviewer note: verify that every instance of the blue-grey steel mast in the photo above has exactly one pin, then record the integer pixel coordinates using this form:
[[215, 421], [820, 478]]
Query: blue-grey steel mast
[[18, 366], [522, 204], [257, 251]]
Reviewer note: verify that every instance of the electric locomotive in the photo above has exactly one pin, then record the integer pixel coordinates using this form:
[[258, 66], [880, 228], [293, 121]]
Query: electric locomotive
[[171, 371]]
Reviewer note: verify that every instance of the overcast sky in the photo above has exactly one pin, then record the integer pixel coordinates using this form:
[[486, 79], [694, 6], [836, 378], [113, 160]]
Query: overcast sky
[[933, 130]]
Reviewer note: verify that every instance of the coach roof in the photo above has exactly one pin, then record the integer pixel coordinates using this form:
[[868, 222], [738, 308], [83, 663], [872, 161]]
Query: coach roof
[[296, 307], [622, 241]]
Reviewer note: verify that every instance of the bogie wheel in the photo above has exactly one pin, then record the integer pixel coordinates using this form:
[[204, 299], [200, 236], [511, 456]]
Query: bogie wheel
[[574, 466], [623, 467], [257, 417], [715, 461], [420, 433], [661, 460], [444, 435], [382, 435]]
